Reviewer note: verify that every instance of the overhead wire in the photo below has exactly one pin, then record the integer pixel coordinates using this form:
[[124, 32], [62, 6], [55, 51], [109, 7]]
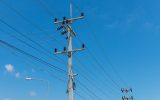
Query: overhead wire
[[27, 20], [50, 14], [29, 45], [30, 22], [39, 60], [104, 54], [23, 41], [45, 71], [33, 57], [92, 79], [28, 38]]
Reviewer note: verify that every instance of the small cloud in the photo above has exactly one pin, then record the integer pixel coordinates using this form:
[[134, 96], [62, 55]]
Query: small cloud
[[6, 99], [33, 93], [9, 68], [148, 25], [17, 75]]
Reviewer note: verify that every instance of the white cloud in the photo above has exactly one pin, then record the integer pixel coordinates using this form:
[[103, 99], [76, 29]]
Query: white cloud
[[9, 68], [17, 75], [6, 99], [33, 93]]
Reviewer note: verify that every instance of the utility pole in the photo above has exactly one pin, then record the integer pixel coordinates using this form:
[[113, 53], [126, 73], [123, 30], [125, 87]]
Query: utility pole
[[126, 94], [66, 26]]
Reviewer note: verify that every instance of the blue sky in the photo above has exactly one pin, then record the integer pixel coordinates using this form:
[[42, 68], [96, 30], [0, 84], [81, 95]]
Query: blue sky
[[123, 37]]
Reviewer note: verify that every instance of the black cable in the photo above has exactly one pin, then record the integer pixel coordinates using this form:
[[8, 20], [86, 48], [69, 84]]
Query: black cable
[[22, 41], [23, 35], [90, 80], [47, 72], [32, 41], [33, 57], [107, 58], [47, 9], [23, 51], [27, 20], [103, 51], [82, 97], [91, 92], [18, 13], [101, 67]]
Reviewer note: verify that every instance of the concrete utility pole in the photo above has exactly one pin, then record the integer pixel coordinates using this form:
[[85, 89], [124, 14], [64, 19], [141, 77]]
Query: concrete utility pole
[[66, 26], [126, 94]]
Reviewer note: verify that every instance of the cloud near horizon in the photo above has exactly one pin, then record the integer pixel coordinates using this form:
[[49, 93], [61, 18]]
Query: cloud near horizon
[[32, 93], [9, 68]]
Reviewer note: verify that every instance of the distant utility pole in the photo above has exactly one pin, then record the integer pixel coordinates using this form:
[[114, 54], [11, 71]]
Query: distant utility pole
[[66, 26], [126, 93]]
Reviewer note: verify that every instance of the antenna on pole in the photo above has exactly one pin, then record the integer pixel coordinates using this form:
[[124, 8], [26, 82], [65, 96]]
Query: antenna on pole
[[65, 27]]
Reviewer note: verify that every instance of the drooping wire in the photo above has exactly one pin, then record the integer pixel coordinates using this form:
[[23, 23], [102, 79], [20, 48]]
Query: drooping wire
[[33, 57], [43, 4], [103, 51], [27, 53], [44, 62], [47, 9], [43, 70], [22, 41], [99, 64], [92, 79], [91, 92], [23, 35], [30, 22]]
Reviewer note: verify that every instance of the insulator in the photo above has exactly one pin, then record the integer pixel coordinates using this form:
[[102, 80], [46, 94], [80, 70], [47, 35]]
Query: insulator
[[63, 22], [55, 50], [55, 19], [59, 28], [74, 85], [67, 21], [82, 14], [83, 45], [64, 48], [64, 18], [67, 38], [64, 32]]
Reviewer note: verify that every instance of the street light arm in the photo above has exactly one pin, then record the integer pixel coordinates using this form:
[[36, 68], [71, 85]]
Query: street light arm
[[42, 80]]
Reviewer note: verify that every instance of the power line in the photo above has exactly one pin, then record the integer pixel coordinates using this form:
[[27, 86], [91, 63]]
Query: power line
[[23, 35], [18, 13], [39, 60], [48, 9], [107, 58], [22, 41], [101, 67], [43, 70], [91, 80], [30, 22], [103, 51], [91, 92], [27, 38], [43, 4], [33, 57], [29, 45]]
